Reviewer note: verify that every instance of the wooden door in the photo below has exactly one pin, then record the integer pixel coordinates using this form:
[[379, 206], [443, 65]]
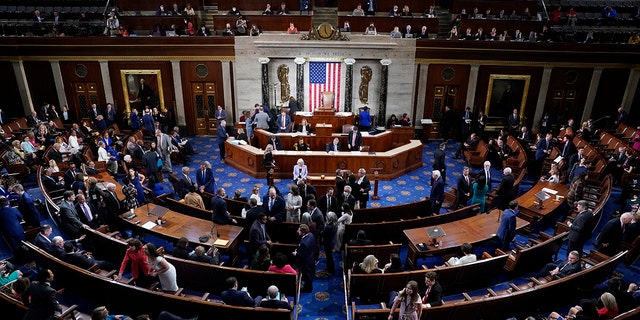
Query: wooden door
[[204, 98], [84, 94]]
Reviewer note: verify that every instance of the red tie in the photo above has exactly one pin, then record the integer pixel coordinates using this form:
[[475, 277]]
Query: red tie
[[426, 294]]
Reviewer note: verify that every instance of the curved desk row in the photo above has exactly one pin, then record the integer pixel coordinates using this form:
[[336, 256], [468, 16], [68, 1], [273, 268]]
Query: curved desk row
[[391, 164]]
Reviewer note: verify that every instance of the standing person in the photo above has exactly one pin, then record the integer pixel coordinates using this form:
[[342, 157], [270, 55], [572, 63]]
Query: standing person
[[160, 267], [328, 235], [514, 118], [437, 192], [220, 214], [164, 146], [507, 229], [363, 186], [222, 137], [438, 161], [345, 219], [139, 264], [204, 178], [505, 189], [479, 191], [608, 241], [354, 139], [10, 226], [408, 300], [293, 204], [26, 206], [305, 257], [581, 227], [40, 298], [365, 119], [221, 114], [258, 235], [463, 191], [446, 123]]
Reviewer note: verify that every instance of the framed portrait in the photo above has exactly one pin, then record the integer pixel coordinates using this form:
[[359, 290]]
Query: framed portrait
[[142, 88], [507, 92]]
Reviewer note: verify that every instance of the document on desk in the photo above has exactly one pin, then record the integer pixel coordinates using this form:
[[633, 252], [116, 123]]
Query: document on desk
[[149, 225], [220, 242], [550, 191]]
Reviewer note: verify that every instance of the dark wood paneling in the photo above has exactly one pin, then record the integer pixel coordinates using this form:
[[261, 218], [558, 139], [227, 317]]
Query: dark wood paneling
[[188, 72], [11, 101], [417, 7], [495, 6], [563, 81], [501, 25], [94, 74], [266, 23], [252, 5], [610, 92], [40, 79], [532, 95], [434, 79], [153, 5], [386, 24]]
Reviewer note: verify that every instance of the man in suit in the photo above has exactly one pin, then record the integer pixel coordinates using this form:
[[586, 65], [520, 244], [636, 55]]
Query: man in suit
[[283, 122], [221, 114], [470, 144], [275, 142], [486, 172], [524, 136], [438, 162], [578, 168], [148, 122], [306, 257], [608, 241], [40, 298], [204, 178], [513, 120], [354, 139], [363, 186], [42, 240], [254, 211], [94, 112], [3, 117], [568, 148], [220, 214], [446, 122], [87, 212], [274, 205], [505, 189], [347, 197], [543, 150], [70, 175], [481, 122], [575, 158], [112, 204], [50, 183], [258, 235], [222, 135], [562, 269], [621, 117], [235, 297], [581, 227], [334, 146], [184, 183], [69, 220], [507, 229], [150, 161], [433, 294], [137, 152], [136, 122], [211, 256], [110, 115], [83, 260], [437, 192], [328, 202], [466, 123], [463, 188], [33, 120], [10, 226], [55, 154], [504, 151], [164, 146]]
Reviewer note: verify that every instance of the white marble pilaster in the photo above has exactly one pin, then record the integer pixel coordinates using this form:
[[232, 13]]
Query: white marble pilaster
[[591, 95], [471, 89], [23, 86], [59, 83], [106, 81], [423, 75], [177, 88], [542, 97], [630, 90], [226, 87]]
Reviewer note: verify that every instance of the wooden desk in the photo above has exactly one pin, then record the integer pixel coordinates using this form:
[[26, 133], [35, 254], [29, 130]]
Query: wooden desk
[[531, 212], [335, 120], [324, 129], [176, 225], [380, 142], [472, 230], [104, 178], [321, 184], [402, 135], [394, 162]]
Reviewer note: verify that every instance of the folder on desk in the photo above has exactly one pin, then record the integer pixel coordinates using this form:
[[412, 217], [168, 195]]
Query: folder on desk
[[220, 242], [423, 246], [435, 232], [158, 211]]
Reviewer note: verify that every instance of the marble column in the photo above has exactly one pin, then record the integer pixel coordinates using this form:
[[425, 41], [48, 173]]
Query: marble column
[[57, 79], [177, 91], [348, 85], [471, 89], [265, 79], [542, 97], [382, 110], [106, 82], [591, 95], [300, 80], [23, 86], [630, 90]]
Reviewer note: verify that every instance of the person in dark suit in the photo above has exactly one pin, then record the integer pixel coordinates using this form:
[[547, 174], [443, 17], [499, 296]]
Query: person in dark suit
[[50, 183], [3, 117], [562, 269], [40, 298], [437, 192], [84, 260], [480, 123], [305, 191], [543, 147], [275, 142], [222, 137], [568, 149], [306, 257], [575, 158], [328, 202], [609, 238], [334, 146], [110, 115], [274, 300], [505, 189], [621, 117], [433, 294], [221, 114], [254, 211], [70, 175], [273, 205], [438, 162], [211, 256], [148, 122], [581, 227], [150, 160], [507, 229], [220, 214], [69, 220], [42, 240], [10, 226], [111, 204], [258, 235], [136, 122], [347, 197], [283, 121], [88, 213], [446, 122], [514, 118], [204, 177], [463, 189], [184, 183], [354, 139], [235, 297], [363, 186], [524, 135]]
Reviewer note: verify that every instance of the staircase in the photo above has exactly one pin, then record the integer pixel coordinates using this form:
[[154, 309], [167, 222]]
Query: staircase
[[325, 14], [444, 23], [208, 11]]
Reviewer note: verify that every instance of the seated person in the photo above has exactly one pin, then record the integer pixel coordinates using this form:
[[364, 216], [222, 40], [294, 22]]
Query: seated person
[[292, 29], [360, 240], [371, 30], [562, 269], [235, 297], [394, 265], [233, 11], [406, 120], [304, 127], [211, 256], [275, 143], [227, 31], [334, 145], [470, 144], [300, 171], [280, 265], [157, 187], [468, 256], [368, 266], [83, 259], [8, 273], [275, 300], [301, 145], [392, 121]]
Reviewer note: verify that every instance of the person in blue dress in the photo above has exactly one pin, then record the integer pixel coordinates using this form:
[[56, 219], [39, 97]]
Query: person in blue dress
[[136, 179], [364, 119]]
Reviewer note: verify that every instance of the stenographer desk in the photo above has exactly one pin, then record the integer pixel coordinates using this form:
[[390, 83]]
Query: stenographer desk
[[382, 141], [335, 119], [530, 209], [393, 163], [176, 225], [472, 230]]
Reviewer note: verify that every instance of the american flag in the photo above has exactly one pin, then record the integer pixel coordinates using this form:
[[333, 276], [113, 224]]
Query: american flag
[[324, 76]]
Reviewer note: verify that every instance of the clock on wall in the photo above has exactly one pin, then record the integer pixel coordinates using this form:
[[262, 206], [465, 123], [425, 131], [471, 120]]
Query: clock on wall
[[325, 31]]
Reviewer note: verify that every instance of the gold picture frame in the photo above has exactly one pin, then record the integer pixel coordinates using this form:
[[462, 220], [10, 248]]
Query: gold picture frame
[[507, 92], [134, 95]]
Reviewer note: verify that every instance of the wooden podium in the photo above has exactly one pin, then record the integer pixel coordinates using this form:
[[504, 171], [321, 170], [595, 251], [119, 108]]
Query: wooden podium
[[324, 129]]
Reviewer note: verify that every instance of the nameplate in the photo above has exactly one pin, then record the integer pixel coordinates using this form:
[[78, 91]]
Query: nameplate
[[149, 225], [550, 191]]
